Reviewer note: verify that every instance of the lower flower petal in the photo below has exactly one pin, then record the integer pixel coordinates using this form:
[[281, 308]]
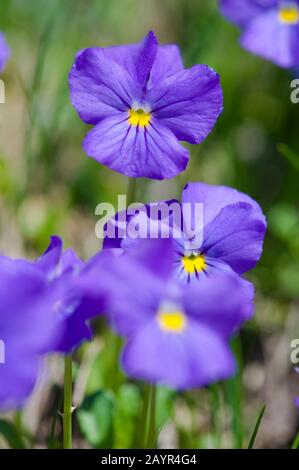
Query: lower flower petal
[[151, 151], [194, 358]]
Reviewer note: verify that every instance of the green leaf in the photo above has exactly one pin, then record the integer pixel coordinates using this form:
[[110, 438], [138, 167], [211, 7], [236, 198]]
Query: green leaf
[[295, 444], [289, 154], [234, 395], [127, 411], [256, 427], [165, 403], [9, 432], [95, 417]]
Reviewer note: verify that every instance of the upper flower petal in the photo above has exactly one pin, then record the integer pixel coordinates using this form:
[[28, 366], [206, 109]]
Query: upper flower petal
[[188, 102], [214, 198], [50, 259], [272, 39], [99, 86], [168, 61], [147, 60], [245, 13], [151, 151]]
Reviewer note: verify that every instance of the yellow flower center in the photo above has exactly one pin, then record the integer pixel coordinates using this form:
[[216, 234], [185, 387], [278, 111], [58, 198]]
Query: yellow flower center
[[139, 117], [174, 322], [289, 14], [193, 263]]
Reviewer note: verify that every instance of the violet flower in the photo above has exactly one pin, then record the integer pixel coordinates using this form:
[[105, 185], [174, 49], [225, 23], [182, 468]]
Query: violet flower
[[42, 310], [176, 334], [142, 103], [270, 28], [230, 235]]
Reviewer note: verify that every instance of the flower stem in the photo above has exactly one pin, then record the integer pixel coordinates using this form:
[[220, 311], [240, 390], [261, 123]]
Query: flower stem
[[67, 403], [141, 432], [152, 431], [131, 193]]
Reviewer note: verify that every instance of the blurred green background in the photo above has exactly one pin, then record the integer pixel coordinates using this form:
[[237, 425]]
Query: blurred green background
[[48, 185]]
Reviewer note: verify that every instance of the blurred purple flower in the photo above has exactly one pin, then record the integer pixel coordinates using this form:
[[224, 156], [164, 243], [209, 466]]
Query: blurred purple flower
[[270, 28], [230, 234], [142, 102], [4, 52], [42, 310], [177, 334]]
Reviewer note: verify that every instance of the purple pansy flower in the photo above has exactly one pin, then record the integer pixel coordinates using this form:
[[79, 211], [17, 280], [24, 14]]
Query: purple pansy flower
[[4, 52], [27, 328], [142, 103], [270, 28], [230, 233], [176, 334], [42, 310]]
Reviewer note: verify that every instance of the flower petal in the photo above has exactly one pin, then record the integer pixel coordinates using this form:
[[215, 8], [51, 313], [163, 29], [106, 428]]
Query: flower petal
[[268, 37], [99, 86], [4, 52], [167, 58], [151, 151], [245, 13], [188, 102], [50, 259], [235, 236], [194, 358], [168, 61], [215, 198], [222, 302], [145, 59]]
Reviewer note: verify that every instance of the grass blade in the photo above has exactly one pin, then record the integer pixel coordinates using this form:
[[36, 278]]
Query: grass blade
[[295, 444], [289, 154], [256, 427]]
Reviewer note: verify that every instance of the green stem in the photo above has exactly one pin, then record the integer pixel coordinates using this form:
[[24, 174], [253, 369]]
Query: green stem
[[295, 444], [132, 189], [67, 403], [216, 413], [142, 428], [152, 429]]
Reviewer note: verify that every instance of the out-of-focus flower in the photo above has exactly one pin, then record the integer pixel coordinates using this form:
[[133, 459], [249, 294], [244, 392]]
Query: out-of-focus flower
[[42, 310], [4, 52], [228, 236], [177, 334], [270, 28], [142, 102], [26, 329]]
